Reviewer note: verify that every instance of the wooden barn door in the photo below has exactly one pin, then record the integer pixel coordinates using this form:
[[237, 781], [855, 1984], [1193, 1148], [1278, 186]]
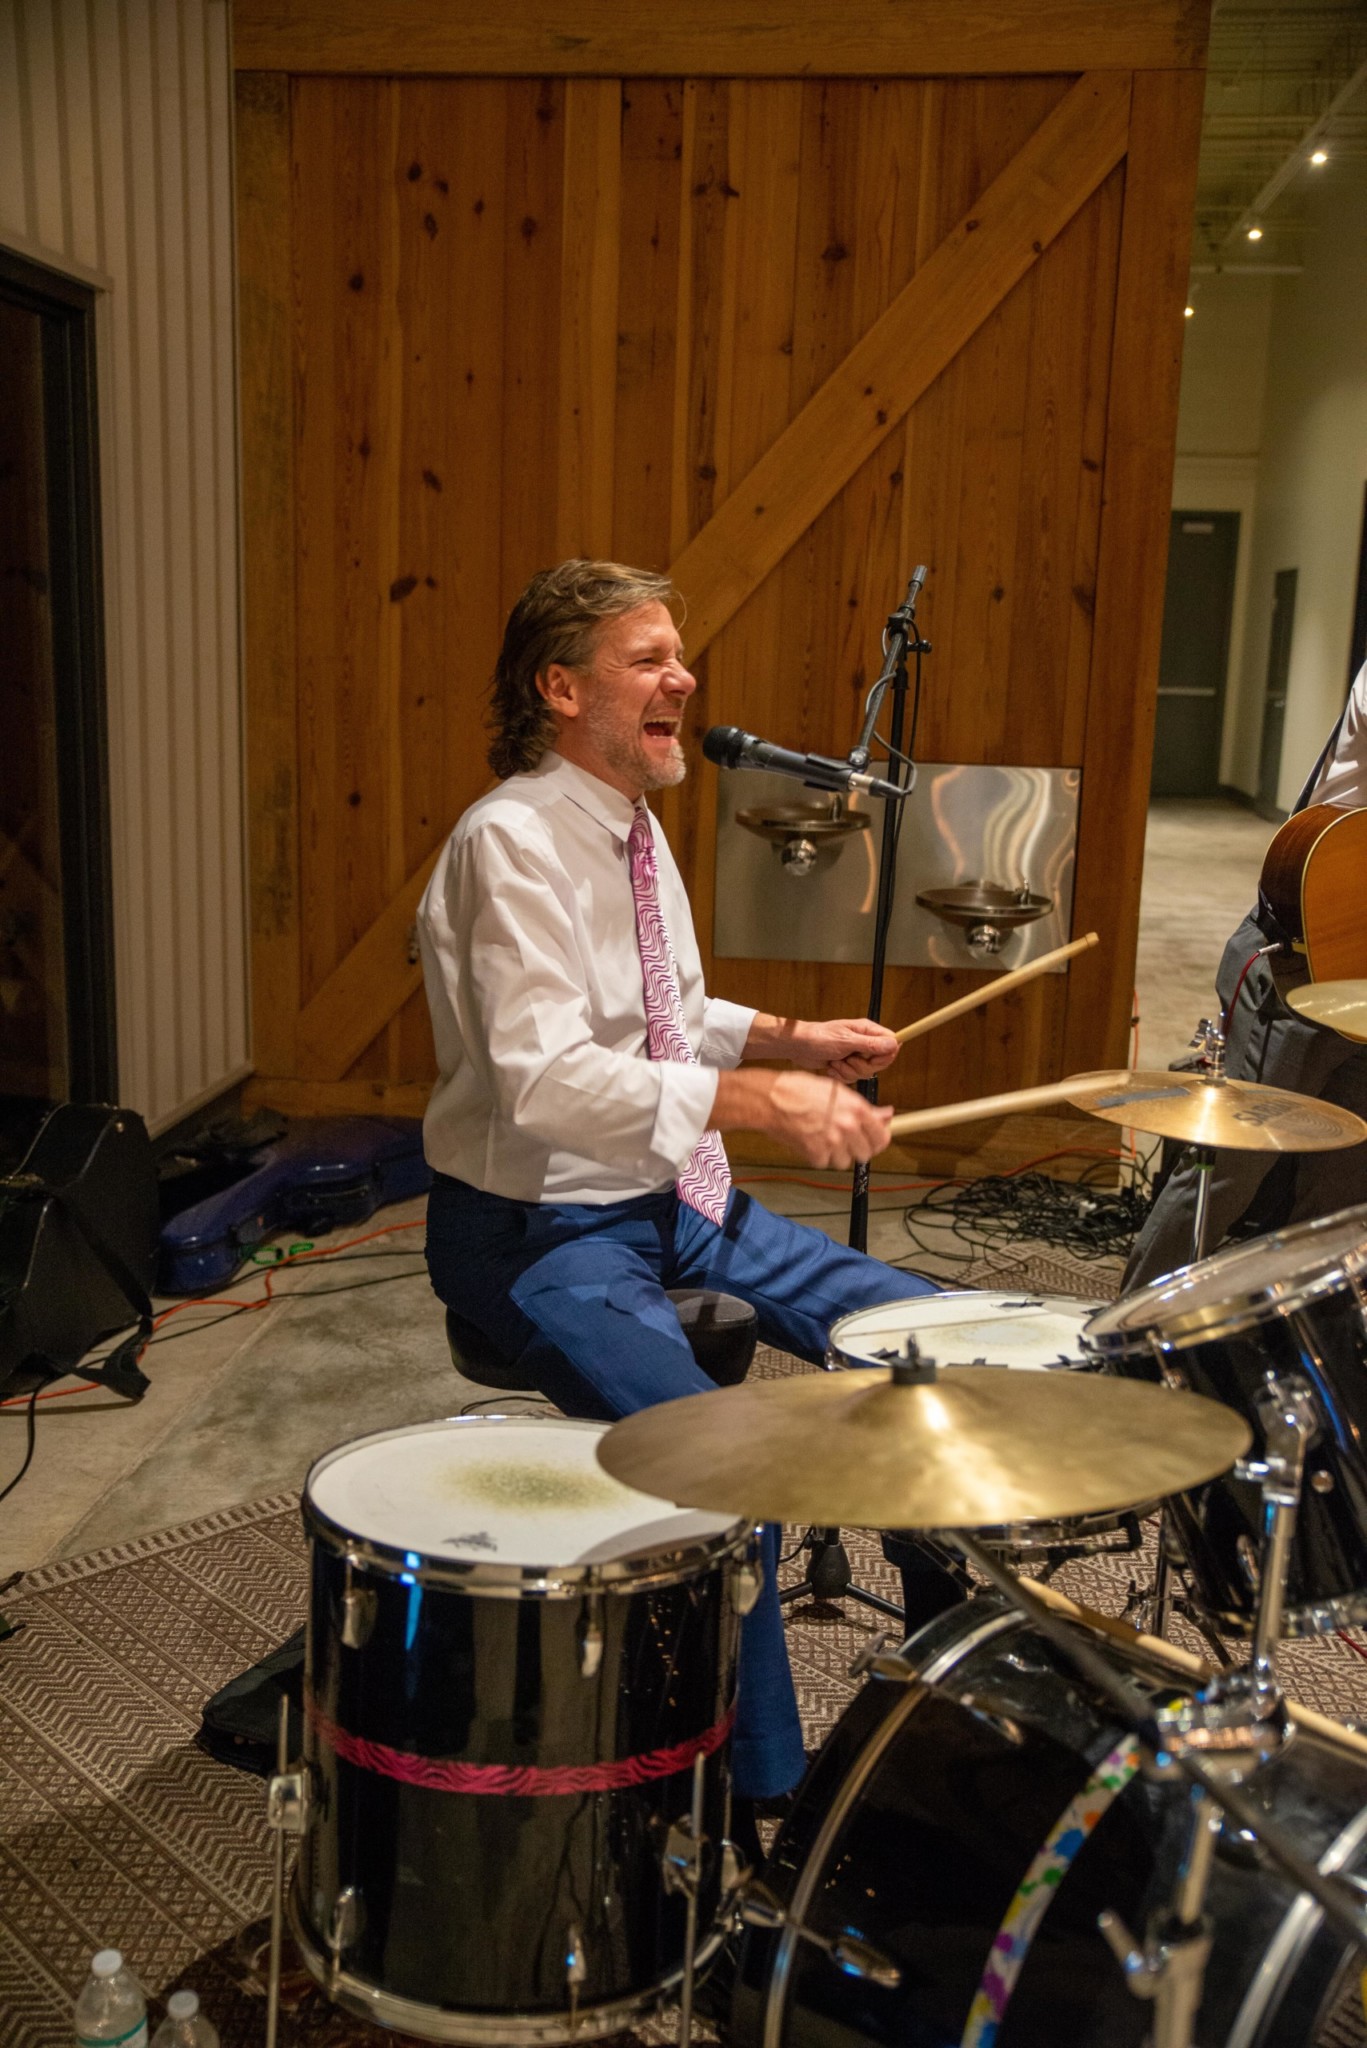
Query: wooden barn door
[[787, 336]]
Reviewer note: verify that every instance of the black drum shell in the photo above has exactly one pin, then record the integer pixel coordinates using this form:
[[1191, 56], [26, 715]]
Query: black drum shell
[[1324, 1342], [467, 1902], [948, 1795]]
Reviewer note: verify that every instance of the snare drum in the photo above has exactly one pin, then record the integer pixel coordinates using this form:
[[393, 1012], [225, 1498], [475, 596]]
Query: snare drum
[[513, 1662], [1035, 1332], [1028, 1332], [1293, 1303]]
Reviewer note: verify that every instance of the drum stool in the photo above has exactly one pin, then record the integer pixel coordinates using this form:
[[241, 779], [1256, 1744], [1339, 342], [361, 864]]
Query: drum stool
[[722, 1332]]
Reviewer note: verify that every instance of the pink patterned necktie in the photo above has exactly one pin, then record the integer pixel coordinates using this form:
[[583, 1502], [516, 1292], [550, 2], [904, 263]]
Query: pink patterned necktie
[[706, 1179]]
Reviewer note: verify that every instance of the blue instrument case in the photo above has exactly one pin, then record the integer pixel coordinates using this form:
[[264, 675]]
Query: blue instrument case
[[322, 1172]]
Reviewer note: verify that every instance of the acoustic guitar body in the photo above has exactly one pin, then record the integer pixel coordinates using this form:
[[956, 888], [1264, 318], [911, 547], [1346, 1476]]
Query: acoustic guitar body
[[1314, 880]]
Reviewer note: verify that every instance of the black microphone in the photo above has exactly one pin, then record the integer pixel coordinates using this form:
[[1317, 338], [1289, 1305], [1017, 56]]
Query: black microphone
[[729, 747]]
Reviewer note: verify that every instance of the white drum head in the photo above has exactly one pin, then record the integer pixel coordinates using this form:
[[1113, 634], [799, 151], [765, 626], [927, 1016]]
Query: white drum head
[[525, 1491], [1033, 1332]]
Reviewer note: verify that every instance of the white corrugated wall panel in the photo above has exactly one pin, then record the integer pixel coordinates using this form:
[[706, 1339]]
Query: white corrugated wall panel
[[115, 165]]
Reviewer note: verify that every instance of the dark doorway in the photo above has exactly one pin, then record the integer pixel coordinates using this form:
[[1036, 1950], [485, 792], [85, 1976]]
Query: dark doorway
[[1274, 697], [1197, 608], [56, 970]]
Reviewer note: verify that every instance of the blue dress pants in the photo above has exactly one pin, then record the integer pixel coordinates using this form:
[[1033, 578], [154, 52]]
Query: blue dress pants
[[574, 1294]]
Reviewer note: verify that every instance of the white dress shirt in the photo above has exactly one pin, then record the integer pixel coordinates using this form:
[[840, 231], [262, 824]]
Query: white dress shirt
[[527, 929], [1343, 778]]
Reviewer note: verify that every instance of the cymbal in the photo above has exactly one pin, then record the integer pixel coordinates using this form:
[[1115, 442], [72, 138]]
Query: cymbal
[[1342, 1005], [974, 1447], [1241, 1115]]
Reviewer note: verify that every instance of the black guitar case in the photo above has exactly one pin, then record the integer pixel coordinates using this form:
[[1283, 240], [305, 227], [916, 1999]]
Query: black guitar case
[[79, 1221]]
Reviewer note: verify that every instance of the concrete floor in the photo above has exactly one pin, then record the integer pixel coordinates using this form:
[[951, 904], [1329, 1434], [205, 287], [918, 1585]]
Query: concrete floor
[[239, 1411], [1201, 867]]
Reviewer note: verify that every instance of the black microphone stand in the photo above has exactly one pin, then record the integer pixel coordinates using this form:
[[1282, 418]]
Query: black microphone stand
[[901, 638], [828, 1575]]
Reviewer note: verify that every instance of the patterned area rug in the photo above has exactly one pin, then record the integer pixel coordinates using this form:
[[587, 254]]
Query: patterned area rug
[[115, 1828]]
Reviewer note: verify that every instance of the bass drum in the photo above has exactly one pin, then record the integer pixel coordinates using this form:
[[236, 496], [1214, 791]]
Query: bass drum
[[962, 1832]]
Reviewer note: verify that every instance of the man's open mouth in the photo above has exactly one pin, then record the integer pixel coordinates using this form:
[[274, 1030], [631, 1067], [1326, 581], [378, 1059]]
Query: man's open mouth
[[662, 728]]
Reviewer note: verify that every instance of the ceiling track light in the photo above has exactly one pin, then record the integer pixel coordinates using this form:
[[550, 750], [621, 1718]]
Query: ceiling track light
[[1319, 156], [1255, 234]]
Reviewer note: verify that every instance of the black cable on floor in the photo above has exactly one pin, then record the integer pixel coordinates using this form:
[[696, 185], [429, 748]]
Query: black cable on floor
[[32, 1440]]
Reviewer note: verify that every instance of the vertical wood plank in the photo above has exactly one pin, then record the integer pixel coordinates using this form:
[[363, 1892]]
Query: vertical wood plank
[[14, 210], [590, 260], [181, 885], [45, 125], [1145, 372], [78, 129], [269, 434], [531, 328], [652, 153], [221, 435], [764, 141]]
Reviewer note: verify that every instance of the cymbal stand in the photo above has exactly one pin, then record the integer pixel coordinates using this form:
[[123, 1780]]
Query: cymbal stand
[[1216, 1739], [1286, 1411], [287, 1813], [685, 1845], [1211, 1039]]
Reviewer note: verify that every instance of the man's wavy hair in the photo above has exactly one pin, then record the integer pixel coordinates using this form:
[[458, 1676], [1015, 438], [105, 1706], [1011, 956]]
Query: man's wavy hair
[[556, 619]]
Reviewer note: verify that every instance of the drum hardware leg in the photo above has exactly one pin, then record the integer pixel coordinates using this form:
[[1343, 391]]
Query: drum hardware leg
[[1204, 1162], [682, 1872], [287, 1813], [1230, 1720], [759, 1907], [1286, 1411], [1170, 1968]]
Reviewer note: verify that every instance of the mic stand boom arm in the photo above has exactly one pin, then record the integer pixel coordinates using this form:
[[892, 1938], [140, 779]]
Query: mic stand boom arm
[[901, 637]]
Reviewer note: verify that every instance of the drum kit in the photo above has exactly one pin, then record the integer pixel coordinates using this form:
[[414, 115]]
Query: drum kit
[[513, 1806]]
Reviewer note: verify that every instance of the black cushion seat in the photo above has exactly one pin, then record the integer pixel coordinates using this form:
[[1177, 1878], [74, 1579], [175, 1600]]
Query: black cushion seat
[[722, 1332]]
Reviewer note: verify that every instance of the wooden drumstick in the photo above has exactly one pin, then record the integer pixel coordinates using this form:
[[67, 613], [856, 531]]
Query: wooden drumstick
[[914, 1120], [1000, 987], [1183, 1661]]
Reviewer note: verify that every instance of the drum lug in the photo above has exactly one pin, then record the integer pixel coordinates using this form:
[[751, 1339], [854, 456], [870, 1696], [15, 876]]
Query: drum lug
[[344, 1926], [591, 1636], [289, 1801], [359, 1609], [576, 1968], [748, 1581]]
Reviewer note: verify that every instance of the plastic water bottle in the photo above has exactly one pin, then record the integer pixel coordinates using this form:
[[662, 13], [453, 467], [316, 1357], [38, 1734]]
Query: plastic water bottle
[[111, 2011], [185, 2025]]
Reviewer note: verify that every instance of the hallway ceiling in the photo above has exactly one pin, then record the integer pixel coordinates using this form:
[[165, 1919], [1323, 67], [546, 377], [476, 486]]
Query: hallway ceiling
[[1282, 80]]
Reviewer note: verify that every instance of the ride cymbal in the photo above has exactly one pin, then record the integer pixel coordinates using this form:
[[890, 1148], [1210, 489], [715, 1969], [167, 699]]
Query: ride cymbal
[[1242, 1116], [1342, 1005], [972, 1448]]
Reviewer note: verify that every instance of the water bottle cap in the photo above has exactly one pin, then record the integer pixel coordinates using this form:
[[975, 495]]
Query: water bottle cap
[[107, 1963], [183, 2005]]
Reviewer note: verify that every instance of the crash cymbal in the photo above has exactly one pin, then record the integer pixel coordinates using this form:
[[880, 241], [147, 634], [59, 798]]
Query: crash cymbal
[[1342, 1005], [1242, 1115], [974, 1447]]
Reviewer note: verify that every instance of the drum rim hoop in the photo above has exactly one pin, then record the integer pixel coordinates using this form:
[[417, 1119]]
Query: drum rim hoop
[[854, 1360], [665, 1565], [480, 2029], [1227, 1317]]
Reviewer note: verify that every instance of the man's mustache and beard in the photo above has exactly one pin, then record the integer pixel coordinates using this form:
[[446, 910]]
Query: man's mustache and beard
[[646, 752]]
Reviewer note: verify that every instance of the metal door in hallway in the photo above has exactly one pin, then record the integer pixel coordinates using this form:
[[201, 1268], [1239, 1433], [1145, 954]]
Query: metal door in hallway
[[1197, 609]]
